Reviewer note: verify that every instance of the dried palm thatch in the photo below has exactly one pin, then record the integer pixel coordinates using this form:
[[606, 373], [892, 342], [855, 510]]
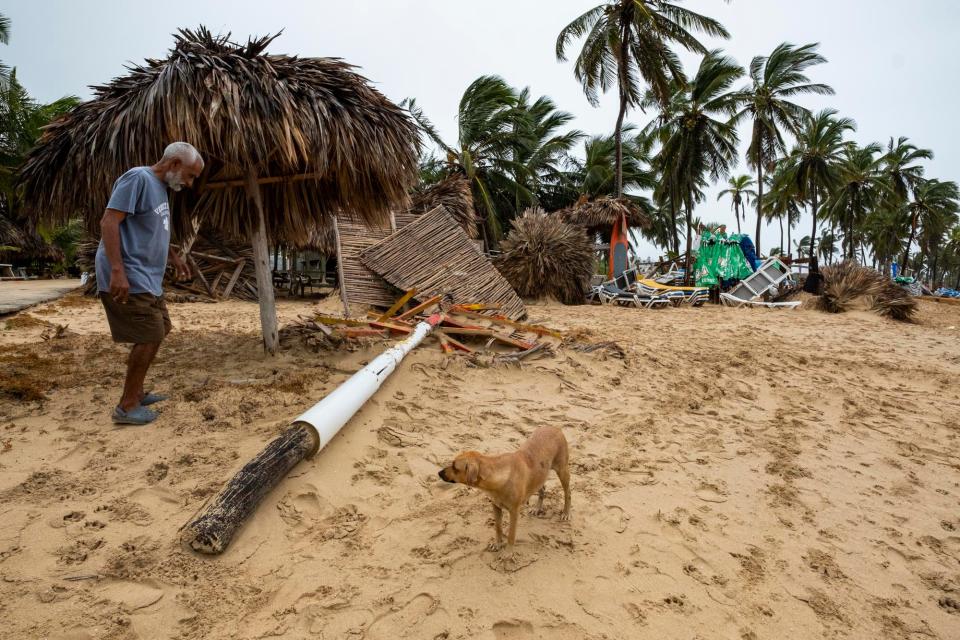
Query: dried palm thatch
[[316, 135], [453, 194], [895, 302], [543, 255], [601, 214], [323, 239], [845, 282], [11, 236]]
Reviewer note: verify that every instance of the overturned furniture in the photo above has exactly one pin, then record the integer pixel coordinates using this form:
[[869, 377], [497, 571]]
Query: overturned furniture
[[766, 279]]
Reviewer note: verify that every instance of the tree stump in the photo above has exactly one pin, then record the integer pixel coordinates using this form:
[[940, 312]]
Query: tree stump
[[212, 531]]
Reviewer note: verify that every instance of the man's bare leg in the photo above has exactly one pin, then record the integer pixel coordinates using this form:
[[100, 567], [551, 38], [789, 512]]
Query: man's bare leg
[[141, 356]]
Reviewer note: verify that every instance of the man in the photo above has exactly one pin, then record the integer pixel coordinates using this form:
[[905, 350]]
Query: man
[[131, 259]]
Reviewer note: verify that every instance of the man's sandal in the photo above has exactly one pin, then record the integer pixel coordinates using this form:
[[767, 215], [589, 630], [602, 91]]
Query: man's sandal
[[139, 415]]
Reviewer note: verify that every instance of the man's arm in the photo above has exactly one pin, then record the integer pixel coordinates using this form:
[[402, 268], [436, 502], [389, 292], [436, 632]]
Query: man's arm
[[180, 268], [110, 232]]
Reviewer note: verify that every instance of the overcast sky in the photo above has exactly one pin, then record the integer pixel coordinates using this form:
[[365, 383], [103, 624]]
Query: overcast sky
[[893, 64]]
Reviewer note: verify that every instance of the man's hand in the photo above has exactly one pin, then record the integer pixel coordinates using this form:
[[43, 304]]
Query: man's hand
[[119, 286], [181, 270]]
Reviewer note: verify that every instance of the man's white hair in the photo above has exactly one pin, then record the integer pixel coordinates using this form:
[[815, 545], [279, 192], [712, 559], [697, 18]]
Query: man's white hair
[[185, 152]]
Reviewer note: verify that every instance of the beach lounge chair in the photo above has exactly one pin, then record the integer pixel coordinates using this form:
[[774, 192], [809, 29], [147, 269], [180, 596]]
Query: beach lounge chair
[[729, 300], [617, 291], [693, 296], [767, 277]]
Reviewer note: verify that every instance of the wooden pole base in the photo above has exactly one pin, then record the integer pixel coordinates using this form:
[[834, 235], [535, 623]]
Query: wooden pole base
[[212, 531]]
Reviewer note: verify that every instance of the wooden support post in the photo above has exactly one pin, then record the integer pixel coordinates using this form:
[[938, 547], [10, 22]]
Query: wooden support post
[[261, 264], [213, 530]]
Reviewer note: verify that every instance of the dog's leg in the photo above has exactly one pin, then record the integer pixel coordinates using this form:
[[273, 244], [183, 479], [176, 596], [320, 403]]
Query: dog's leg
[[538, 510], [514, 516], [497, 519], [564, 474]]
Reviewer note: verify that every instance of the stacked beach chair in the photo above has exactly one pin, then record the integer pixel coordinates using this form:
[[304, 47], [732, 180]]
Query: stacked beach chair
[[628, 289]]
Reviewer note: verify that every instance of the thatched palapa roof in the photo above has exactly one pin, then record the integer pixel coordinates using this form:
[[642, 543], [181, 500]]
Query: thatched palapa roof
[[602, 213], [320, 139], [454, 195]]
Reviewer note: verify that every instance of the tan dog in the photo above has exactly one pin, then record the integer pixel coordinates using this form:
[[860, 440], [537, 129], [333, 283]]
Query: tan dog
[[511, 478]]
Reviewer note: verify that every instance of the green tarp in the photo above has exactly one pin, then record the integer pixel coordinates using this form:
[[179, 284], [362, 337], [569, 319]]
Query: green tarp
[[720, 258]]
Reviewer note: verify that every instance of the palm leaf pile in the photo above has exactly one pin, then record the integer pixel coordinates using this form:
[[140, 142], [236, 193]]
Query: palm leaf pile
[[895, 302], [319, 138], [848, 281], [601, 214], [542, 255]]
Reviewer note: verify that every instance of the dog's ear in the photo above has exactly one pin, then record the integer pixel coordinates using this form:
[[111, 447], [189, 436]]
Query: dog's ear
[[473, 471]]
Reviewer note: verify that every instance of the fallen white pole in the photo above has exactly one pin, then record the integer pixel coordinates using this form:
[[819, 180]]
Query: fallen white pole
[[329, 415], [212, 531]]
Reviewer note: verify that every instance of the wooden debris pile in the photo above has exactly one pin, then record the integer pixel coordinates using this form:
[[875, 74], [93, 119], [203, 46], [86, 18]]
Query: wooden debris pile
[[221, 269], [435, 256], [470, 329]]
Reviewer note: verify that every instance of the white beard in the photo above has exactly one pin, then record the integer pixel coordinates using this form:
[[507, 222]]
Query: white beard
[[173, 180]]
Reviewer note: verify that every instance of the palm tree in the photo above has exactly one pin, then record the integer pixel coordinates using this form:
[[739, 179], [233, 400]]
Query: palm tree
[[813, 165], [860, 186], [628, 42], [782, 202], [540, 148], [738, 188], [932, 200], [4, 39], [902, 173], [495, 145], [699, 141], [774, 81]]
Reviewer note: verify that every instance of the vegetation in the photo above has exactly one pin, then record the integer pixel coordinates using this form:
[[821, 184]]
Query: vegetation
[[870, 203]]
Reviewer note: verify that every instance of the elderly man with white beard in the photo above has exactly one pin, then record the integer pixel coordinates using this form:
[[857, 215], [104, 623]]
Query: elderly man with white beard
[[131, 260]]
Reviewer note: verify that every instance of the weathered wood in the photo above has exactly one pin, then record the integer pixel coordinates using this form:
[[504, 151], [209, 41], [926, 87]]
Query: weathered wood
[[423, 306], [261, 264], [213, 529], [226, 184], [233, 279], [396, 305], [199, 275]]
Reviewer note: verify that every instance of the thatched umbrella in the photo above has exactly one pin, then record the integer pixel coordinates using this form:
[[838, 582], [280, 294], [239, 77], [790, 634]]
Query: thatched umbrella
[[545, 256], [601, 214], [288, 142]]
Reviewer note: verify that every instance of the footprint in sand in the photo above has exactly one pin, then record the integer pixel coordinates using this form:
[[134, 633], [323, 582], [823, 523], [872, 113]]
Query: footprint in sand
[[421, 617], [130, 595]]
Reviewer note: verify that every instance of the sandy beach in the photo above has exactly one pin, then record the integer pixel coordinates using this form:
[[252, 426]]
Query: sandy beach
[[736, 474]]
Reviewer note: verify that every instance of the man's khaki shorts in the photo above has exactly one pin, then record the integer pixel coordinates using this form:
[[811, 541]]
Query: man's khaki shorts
[[142, 319]]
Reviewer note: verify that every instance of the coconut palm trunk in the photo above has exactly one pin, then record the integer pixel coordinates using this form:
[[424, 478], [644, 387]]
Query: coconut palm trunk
[[780, 218], [756, 240], [736, 213], [673, 226], [813, 234], [618, 133], [686, 262], [913, 233]]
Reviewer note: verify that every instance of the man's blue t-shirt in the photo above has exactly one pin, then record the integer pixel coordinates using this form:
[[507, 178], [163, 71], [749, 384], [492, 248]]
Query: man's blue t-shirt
[[144, 233]]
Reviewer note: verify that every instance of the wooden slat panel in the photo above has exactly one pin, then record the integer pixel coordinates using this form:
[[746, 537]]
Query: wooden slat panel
[[360, 285], [433, 255]]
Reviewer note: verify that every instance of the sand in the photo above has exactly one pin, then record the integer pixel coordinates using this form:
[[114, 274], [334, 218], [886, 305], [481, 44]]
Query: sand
[[738, 474]]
